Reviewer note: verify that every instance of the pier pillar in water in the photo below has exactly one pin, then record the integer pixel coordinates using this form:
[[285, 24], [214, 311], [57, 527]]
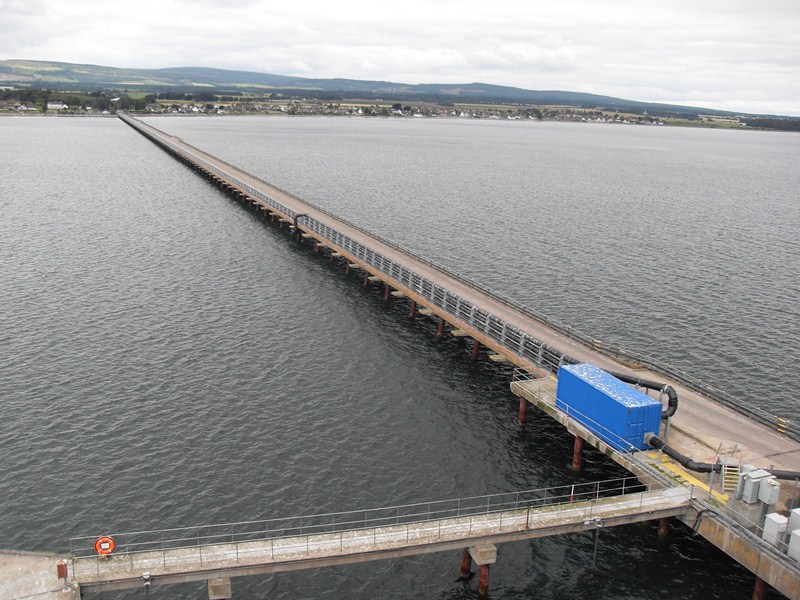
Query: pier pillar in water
[[476, 348], [760, 591], [577, 454], [388, 293], [523, 409], [440, 331], [483, 556], [466, 566], [663, 527], [413, 310], [483, 581], [366, 279]]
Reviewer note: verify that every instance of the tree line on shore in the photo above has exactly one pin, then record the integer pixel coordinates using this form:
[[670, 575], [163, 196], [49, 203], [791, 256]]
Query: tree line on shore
[[95, 101], [780, 124]]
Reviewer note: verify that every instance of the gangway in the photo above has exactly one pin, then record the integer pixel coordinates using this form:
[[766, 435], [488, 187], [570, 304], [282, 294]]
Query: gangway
[[256, 547]]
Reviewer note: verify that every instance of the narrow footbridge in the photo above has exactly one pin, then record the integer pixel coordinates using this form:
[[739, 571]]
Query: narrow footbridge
[[223, 551]]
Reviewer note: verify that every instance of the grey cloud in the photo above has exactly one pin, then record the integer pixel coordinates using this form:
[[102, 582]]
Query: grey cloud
[[724, 51]]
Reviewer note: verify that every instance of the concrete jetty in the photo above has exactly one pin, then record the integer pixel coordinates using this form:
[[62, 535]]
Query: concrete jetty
[[34, 575]]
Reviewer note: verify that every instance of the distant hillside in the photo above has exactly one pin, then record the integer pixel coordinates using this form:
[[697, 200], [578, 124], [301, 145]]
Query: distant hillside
[[74, 77]]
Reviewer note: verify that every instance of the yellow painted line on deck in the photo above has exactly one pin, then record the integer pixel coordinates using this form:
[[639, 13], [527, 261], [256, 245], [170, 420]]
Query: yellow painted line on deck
[[675, 468]]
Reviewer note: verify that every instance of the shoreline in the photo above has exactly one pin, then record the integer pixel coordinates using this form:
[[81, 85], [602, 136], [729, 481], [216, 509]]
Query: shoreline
[[142, 114]]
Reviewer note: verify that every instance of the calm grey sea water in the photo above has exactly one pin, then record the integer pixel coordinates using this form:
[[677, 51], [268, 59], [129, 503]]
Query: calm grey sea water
[[167, 359]]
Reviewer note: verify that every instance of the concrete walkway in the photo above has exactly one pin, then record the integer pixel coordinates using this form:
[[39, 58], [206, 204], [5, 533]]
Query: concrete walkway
[[32, 575], [193, 563]]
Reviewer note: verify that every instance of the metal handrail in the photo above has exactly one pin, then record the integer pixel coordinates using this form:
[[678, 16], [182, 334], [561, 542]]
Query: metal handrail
[[136, 542], [726, 512], [785, 427], [745, 527]]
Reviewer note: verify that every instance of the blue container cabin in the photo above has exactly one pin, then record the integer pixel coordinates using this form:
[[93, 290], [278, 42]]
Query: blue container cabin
[[616, 412]]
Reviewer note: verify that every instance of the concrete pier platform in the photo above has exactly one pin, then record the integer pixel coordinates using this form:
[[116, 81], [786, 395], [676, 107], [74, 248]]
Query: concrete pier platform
[[32, 575]]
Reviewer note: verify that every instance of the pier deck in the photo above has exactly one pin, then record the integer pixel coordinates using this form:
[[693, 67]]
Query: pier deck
[[32, 575]]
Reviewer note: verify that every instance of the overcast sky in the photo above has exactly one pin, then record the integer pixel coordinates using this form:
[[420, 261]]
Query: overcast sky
[[739, 55]]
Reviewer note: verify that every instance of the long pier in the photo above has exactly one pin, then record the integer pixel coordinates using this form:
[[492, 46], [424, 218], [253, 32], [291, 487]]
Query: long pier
[[708, 425], [511, 332]]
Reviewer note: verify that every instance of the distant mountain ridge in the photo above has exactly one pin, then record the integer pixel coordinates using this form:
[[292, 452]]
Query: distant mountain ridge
[[79, 77]]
